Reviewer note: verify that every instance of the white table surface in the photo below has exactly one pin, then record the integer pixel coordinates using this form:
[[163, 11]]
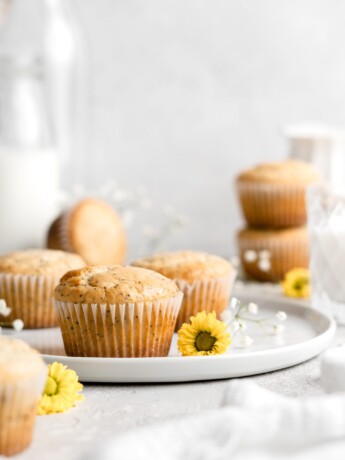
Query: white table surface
[[110, 409]]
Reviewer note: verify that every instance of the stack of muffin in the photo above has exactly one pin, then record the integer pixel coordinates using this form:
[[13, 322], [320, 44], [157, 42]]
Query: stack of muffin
[[273, 201]]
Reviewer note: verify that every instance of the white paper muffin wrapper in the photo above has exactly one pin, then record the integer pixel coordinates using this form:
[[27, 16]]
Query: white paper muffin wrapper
[[273, 205], [204, 295], [118, 330], [18, 410], [30, 298], [283, 255]]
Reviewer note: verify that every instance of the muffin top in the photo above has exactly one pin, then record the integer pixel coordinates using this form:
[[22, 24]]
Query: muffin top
[[285, 172], [93, 229], [187, 265], [18, 361], [114, 284], [278, 234], [39, 262]]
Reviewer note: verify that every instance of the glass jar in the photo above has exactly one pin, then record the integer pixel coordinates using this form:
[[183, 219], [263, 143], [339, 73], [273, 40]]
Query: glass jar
[[326, 223], [28, 160]]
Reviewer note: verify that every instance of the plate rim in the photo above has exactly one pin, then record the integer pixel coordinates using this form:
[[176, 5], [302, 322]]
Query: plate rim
[[330, 329]]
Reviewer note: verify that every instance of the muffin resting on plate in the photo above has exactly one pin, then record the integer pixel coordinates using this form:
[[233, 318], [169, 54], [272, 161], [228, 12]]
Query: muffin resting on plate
[[91, 229], [205, 280], [266, 255], [117, 311], [27, 282], [272, 195], [22, 379]]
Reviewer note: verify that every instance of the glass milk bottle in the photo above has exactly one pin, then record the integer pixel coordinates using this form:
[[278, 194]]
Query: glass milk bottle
[[68, 87], [28, 161]]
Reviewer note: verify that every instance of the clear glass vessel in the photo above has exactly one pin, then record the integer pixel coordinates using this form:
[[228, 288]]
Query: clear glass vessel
[[67, 88], [28, 160], [326, 222]]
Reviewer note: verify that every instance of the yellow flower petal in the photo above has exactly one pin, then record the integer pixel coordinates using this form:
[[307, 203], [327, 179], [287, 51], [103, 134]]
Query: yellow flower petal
[[297, 283], [62, 390], [216, 339]]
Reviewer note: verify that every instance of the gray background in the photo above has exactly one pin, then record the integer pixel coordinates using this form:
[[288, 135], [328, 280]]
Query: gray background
[[186, 93], [189, 92]]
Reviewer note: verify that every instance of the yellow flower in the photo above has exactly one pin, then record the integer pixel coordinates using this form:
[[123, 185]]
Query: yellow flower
[[297, 283], [61, 390], [204, 335]]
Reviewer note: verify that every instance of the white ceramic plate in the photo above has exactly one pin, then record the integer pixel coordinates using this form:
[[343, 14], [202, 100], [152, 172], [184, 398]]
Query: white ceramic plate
[[307, 333]]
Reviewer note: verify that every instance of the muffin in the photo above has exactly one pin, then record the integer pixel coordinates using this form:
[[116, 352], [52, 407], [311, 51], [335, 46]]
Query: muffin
[[91, 229], [204, 279], [27, 282], [272, 195], [266, 255], [117, 311], [22, 379]]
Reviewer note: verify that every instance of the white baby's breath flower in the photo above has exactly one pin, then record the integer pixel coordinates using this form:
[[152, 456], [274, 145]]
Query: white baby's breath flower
[[235, 325], [264, 254], [17, 325], [281, 316], [250, 255], [253, 308], [246, 341], [4, 309], [243, 325], [226, 316], [264, 265], [277, 329], [234, 303]]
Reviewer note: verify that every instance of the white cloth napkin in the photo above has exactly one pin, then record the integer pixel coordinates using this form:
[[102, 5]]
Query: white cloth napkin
[[253, 423]]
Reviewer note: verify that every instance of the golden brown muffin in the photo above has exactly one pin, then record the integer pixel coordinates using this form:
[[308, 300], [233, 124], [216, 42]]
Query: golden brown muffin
[[117, 311], [91, 229], [27, 281], [22, 378], [266, 255], [272, 195], [206, 280]]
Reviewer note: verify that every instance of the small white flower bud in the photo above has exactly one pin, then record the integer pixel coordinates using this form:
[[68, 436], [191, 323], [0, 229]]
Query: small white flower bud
[[281, 316], [17, 325], [253, 308], [264, 265], [243, 326], [226, 316], [250, 256], [235, 326], [234, 303], [246, 341], [4, 310], [277, 329]]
